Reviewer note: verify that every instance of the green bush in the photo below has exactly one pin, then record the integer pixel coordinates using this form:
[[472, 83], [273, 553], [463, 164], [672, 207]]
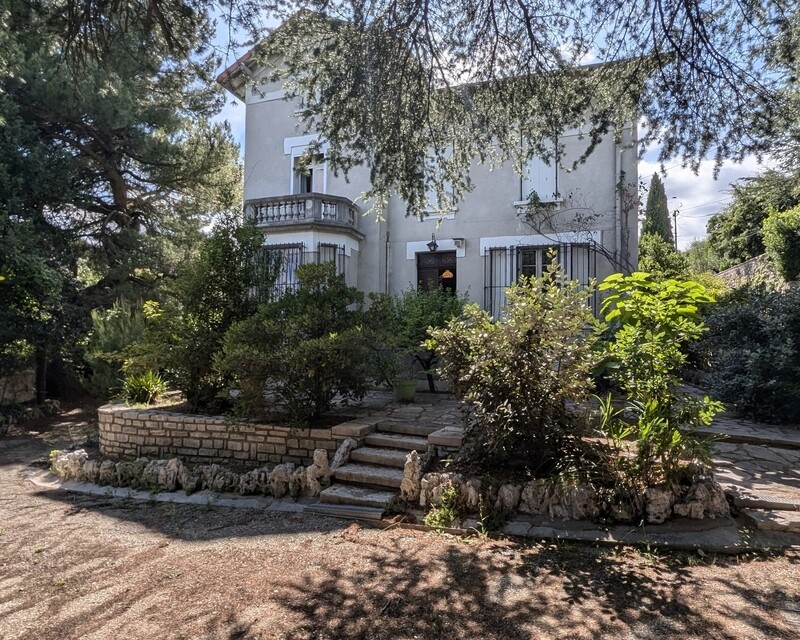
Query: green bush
[[753, 351], [782, 241], [113, 331], [400, 324], [305, 348], [446, 514], [144, 388], [654, 322], [212, 292], [517, 374], [657, 256]]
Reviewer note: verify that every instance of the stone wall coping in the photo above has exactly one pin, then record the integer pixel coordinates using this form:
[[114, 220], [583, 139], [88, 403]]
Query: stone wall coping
[[160, 415]]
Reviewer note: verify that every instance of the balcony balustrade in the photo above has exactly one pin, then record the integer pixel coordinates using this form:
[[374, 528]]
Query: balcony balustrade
[[303, 208]]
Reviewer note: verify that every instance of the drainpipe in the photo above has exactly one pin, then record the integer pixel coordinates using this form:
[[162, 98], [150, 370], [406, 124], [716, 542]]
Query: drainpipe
[[386, 265], [617, 207]]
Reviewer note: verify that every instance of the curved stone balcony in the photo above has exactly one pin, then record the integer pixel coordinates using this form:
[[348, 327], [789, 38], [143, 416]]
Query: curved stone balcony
[[304, 209]]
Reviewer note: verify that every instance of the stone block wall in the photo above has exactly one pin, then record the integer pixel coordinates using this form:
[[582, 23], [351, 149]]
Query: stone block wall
[[127, 433], [18, 388]]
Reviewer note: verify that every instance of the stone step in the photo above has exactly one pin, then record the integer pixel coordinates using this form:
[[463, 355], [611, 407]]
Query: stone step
[[380, 457], [369, 475], [406, 428], [397, 441], [343, 494], [773, 503], [767, 520]]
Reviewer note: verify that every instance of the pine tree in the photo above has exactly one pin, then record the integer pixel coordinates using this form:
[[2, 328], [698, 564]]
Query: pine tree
[[656, 212]]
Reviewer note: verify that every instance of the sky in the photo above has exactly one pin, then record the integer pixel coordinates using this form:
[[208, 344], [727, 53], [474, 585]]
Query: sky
[[697, 197]]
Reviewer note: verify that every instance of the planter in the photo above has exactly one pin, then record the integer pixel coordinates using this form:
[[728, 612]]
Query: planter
[[404, 390]]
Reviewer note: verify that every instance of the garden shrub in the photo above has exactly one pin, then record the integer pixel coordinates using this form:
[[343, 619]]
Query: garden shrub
[[212, 292], [114, 330], [446, 514], [655, 321], [753, 351], [306, 347], [517, 374], [144, 388], [782, 241], [400, 325]]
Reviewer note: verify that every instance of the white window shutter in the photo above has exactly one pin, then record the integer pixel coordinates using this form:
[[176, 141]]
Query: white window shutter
[[540, 178]]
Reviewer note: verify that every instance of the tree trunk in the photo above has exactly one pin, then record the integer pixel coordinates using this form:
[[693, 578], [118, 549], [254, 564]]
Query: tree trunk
[[41, 375]]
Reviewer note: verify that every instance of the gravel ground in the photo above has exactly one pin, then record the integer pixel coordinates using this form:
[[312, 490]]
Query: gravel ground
[[74, 566]]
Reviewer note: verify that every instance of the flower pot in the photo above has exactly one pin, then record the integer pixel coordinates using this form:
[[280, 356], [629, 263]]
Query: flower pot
[[404, 390]]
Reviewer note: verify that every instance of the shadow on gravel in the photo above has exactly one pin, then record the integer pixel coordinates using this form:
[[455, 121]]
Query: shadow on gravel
[[193, 522], [562, 592]]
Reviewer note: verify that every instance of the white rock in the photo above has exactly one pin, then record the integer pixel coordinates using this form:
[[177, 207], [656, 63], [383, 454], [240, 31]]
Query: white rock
[[318, 475], [658, 504], [91, 470], [471, 494], [535, 497], [69, 464], [433, 485], [107, 473], [279, 479], [297, 482], [412, 477], [254, 482], [168, 475], [124, 474], [342, 455], [508, 496], [189, 479]]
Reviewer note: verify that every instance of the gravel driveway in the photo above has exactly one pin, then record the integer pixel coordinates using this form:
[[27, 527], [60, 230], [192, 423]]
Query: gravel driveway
[[74, 566]]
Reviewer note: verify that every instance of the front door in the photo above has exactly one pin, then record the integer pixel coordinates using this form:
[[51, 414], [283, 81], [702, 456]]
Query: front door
[[436, 269]]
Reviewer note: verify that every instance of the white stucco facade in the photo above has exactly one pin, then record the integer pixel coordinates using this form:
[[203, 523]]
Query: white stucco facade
[[593, 220]]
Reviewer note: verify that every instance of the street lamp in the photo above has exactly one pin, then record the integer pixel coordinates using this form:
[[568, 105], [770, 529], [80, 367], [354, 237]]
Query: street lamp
[[432, 246]]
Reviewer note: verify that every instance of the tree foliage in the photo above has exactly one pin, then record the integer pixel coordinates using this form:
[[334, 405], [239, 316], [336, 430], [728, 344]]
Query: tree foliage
[[419, 91], [108, 165], [656, 212], [782, 241], [658, 257], [736, 234]]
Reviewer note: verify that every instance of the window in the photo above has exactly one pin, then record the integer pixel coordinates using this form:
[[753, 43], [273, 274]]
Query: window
[[437, 270], [541, 178], [308, 176], [292, 256], [504, 265]]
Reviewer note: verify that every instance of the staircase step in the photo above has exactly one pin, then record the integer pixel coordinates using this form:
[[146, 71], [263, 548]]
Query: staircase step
[[773, 503], [380, 457], [358, 496], [406, 428], [786, 521], [397, 441], [369, 475]]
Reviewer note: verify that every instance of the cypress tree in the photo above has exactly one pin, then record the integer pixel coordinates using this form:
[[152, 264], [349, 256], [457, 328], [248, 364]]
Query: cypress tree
[[656, 213]]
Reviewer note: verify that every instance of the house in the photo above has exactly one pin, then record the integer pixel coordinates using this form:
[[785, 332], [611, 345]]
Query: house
[[495, 233]]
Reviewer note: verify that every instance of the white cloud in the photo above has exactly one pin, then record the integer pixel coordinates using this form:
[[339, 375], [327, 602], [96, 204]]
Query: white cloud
[[698, 197]]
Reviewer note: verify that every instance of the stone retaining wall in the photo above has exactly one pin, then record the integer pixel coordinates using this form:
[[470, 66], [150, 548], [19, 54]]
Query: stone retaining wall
[[127, 433]]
